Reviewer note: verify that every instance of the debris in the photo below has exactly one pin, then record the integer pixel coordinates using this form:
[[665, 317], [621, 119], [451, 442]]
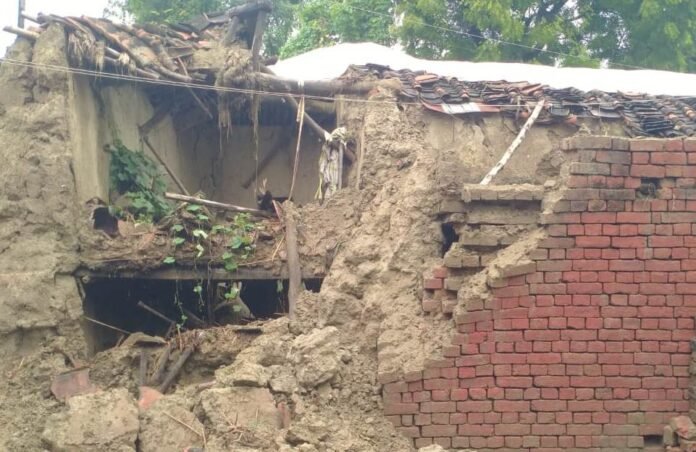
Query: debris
[[683, 427], [105, 421], [169, 426], [243, 373], [241, 408], [148, 396], [315, 356], [140, 338], [72, 383]]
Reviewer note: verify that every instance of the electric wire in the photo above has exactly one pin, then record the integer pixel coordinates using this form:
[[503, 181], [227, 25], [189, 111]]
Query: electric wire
[[224, 89], [496, 40]]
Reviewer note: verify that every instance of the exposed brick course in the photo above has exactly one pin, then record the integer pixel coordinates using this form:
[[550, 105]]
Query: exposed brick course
[[586, 345]]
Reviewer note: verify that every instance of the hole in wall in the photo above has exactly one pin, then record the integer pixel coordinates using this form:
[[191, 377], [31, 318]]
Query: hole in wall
[[648, 188], [652, 440], [449, 237], [117, 302]]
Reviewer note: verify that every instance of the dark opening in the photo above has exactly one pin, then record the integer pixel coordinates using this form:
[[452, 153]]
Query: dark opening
[[116, 304], [449, 236], [648, 188], [652, 440]]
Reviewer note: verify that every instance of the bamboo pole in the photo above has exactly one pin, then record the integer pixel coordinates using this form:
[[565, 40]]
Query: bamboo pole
[[162, 162], [30, 35], [515, 144], [215, 204]]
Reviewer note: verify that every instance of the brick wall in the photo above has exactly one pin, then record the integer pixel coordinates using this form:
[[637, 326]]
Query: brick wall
[[589, 349]]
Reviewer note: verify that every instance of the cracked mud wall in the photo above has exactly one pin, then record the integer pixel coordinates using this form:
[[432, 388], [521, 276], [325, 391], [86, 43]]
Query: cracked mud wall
[[39, 303], [37, 199]]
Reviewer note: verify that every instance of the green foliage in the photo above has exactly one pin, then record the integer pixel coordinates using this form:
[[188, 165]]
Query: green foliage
[[648, 33], [137, 177], [237, 237], [324, 22]]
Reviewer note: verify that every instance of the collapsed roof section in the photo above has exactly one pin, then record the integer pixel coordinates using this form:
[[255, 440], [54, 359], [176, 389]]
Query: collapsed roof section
[[642, 114], [159, 52]]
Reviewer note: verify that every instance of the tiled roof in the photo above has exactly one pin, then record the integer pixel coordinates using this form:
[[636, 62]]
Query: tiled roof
[[159, 52], [643, 115]]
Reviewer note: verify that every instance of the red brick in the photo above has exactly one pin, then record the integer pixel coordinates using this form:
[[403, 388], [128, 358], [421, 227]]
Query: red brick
[[391, 408], [438, 430], [475, 406], [433, 283]]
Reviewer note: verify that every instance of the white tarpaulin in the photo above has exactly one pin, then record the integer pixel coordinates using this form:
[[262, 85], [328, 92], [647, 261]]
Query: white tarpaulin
[[330, 62]]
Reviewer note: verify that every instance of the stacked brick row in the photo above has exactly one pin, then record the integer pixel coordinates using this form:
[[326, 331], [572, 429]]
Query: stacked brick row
[[587, 347], [440, 291]]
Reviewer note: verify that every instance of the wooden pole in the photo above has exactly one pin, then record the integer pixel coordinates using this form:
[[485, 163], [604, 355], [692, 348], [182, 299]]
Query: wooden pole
[[261, 19], [215, 204], [161, 365], [294, 269], [319, 87], [515, 144], [319, 130], [176, 368], [300, 118], [156, 313], [161, 160], [30, 35], [20, 13]]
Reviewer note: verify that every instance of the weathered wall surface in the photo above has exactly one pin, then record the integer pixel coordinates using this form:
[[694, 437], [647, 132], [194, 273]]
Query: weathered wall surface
[[37, 203], [221, 170], [101, 114], [470, 146], [585, 344], [39, 217]]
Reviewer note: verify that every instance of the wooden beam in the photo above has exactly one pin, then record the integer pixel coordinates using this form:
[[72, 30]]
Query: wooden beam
[[319, 87], [215, 204], [195, 274], [251, 7], [294, 268], [164, 164], [30, 35], [261, 19], [319, 130]]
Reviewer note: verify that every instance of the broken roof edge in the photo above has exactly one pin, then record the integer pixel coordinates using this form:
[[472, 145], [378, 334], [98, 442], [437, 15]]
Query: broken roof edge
[[331, 62]]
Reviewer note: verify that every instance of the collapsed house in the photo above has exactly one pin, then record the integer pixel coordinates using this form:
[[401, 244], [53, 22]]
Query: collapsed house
[[486, 265]]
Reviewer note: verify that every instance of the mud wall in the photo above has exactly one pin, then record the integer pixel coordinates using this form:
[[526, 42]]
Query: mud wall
[[222, 164], [37, 204], [471, 145], [585, 342]]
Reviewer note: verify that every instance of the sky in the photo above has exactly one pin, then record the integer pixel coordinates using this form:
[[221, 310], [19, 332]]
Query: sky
[[8, 13]]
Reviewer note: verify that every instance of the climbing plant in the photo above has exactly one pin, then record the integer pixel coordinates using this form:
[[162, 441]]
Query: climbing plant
[[236, 237], [137, 178]]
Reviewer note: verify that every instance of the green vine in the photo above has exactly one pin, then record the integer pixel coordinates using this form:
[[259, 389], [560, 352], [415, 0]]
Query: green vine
[[201, 236], [136, 177]]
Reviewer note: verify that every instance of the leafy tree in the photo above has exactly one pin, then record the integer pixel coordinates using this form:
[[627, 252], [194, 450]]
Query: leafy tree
[[323, 22], [646, 33]]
